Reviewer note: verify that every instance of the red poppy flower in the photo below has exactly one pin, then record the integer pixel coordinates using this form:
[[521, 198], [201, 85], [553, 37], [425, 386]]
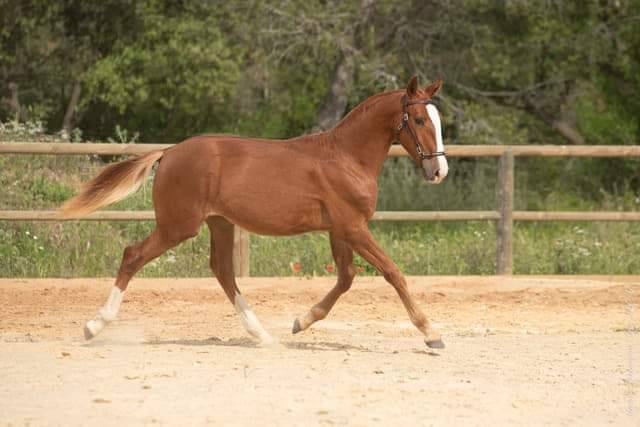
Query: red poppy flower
[[329, 268], [296, 267]]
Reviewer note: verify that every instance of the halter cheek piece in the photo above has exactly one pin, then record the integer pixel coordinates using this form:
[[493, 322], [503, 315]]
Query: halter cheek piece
[[404, 124]]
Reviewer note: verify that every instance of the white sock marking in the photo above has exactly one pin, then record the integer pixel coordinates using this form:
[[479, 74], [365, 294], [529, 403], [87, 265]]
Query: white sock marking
[[432, 111], [250, 321], [107, 313]]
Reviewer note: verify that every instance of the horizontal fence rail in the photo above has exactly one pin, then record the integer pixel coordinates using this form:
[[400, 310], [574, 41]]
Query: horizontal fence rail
[[504, 215], [394, 151], [378, 216]]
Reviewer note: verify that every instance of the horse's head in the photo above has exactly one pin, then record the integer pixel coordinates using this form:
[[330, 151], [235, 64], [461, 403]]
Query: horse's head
[[420, 131]]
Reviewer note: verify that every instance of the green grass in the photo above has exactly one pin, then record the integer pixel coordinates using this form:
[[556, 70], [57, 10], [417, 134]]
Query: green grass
[[74, 249], [83, 249]]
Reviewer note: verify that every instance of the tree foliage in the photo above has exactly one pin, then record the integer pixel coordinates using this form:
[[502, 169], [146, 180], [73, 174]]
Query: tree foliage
[[515, 71], [175, 77]]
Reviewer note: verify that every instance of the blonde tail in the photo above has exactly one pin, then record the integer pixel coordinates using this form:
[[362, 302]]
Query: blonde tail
[[114, 183]]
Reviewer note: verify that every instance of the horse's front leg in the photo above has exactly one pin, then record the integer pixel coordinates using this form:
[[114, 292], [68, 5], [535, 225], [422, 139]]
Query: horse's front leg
[[343, 256], [364, 244]]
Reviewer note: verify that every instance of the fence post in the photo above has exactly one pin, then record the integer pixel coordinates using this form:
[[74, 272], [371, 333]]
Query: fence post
[[241, 252], [505, 207]]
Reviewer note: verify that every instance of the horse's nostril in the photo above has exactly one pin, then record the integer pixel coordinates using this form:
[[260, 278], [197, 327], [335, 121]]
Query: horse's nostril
[[437, 173]]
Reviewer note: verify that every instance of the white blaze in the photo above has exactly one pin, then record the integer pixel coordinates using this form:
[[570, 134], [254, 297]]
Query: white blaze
[[432, 111]]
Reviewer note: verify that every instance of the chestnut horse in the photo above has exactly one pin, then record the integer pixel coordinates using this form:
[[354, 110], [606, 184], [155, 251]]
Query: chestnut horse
[[320, 182]]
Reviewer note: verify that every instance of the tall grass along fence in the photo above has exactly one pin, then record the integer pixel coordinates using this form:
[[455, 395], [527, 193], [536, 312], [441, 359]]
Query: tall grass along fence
[[504, 214]]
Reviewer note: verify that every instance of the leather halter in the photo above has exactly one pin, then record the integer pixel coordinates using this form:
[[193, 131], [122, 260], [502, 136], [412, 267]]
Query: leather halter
[[404, 124]]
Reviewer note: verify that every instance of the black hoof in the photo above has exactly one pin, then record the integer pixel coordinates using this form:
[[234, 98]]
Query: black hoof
[[296, 327], [87, 334], [435, 344]]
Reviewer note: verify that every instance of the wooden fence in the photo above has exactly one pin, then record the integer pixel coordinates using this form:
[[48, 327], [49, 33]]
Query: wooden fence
[[504, 213]]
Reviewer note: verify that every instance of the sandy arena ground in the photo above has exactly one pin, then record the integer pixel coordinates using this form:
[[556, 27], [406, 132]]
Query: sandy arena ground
[[520, 351]]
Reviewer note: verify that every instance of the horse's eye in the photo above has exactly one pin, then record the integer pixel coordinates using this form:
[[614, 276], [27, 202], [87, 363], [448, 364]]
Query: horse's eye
[[419, 121]]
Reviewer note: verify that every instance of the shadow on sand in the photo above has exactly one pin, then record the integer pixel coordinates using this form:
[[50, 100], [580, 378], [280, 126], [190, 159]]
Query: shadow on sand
[[291, 345], [249, 343]]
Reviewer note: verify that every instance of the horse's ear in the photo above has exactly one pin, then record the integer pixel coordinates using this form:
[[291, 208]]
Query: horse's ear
[[412, 86], [433, 88]]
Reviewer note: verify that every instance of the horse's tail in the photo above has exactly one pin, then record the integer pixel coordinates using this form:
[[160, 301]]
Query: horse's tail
[[114, 183]]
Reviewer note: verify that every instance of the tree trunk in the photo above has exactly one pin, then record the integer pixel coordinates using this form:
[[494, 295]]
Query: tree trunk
[[568, 131], [67, 122], [14, 101], [336, 103], [333, 108], [566, 123], [564, 120]]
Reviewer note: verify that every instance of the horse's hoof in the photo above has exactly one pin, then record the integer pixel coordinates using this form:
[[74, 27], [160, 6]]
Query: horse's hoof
[[87, 333], [296, 327], [434, 344]]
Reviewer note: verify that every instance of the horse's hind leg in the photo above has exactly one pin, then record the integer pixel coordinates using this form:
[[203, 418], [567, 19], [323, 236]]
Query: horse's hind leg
[[134, 258], [343, 256], [222, 265]]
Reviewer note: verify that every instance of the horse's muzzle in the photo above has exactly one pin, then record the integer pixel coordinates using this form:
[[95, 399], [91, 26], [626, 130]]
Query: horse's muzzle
[[435, 169]]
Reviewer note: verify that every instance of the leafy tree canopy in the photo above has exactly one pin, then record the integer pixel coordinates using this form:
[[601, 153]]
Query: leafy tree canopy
[[515, 71]]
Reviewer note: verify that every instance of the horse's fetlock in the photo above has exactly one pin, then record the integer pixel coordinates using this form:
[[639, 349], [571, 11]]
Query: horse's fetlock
[[421, 322], [318, 313]]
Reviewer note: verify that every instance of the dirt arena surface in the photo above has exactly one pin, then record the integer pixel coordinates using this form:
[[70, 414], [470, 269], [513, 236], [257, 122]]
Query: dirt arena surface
[[520, 351]]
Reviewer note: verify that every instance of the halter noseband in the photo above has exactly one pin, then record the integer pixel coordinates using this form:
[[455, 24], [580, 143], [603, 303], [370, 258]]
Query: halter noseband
[[405, 124]]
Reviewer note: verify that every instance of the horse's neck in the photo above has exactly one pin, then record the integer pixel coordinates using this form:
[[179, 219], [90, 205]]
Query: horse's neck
[[367, 132]]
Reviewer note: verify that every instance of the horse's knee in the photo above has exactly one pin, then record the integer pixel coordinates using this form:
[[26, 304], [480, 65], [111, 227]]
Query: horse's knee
[[351, 273], [345, 278]]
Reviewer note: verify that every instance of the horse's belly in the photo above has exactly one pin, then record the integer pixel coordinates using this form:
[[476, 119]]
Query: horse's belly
[[274, 217]]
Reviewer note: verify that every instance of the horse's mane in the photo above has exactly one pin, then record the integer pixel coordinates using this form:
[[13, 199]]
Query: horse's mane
[[365, 106]]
